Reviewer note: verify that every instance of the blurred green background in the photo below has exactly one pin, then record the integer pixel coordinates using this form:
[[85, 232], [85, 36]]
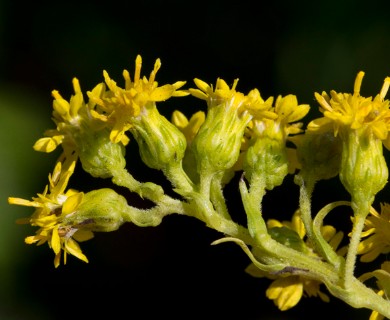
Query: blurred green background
[[279, 47]]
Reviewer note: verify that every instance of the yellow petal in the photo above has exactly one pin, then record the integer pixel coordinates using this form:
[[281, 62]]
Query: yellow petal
[[197, 120], [76, 102], [83, 235], [203, 86], [380, 130], [32, 239], [48, 144], [198, 94], [162, 93], [62, 107], [55, 241], [73, 248], [23, 202], [272, 223], [95, 94], [286, 292], [179, 119], [57, 260], [298, 113], [71, 203]]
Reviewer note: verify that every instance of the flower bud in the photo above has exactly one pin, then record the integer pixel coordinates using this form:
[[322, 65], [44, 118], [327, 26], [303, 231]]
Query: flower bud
[[267, 157], [363, 169], [160, 142], [100, 210], [100, 156], [319, 154], [217, 144]]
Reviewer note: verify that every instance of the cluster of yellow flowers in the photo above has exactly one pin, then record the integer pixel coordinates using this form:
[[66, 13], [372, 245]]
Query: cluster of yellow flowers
[[239, 133]]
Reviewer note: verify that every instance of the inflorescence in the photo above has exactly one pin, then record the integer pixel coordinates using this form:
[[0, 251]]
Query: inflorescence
[[263, 140]]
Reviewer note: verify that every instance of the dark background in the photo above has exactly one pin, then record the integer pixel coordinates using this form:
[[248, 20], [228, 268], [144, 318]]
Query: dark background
[[170, 271]]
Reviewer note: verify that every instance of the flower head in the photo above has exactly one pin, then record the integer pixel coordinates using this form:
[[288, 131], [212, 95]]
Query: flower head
[[346, 111], [51, 207], [281, 119], [376, 234], [267, 153], [68, 117], [218, 142], [363, 124], [120, 106]]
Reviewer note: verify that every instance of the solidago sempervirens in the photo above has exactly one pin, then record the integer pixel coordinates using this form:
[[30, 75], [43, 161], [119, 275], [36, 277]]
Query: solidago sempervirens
[[262, 140]]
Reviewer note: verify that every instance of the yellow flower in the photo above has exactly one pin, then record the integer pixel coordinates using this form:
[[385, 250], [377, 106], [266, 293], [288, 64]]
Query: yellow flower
[[267, 153], [68, 117], [287, 291], [231, 99], [51, 207], [362, 124], [280, 120], [352, 111], [221, 94], [188, 127], [218, 142], [376, 233], [121, 106]]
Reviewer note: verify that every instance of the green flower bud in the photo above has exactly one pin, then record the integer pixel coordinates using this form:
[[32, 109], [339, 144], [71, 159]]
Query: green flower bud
[[217, 144], [160, 142], [266, 157], [99, 156], [363, 169], [100, 210], [319, 154]]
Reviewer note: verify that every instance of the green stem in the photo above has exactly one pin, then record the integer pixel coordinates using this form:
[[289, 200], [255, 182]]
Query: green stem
[[252, 201], [205, 184], [123, 178], [217, 197], [306, 187], [153, 217], [179, 179], [360, 296], [148, 190], [358, 224], [201, 208]]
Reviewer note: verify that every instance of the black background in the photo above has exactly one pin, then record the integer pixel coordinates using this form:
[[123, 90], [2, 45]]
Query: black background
[[169, 271]]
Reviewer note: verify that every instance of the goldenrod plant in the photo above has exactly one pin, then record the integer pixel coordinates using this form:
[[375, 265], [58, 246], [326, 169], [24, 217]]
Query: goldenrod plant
[[259, 140]]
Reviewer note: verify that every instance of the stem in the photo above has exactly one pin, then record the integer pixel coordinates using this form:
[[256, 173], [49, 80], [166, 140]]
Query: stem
[[217, 197], [148, 190], [205, 184], [360, 296], [252, 201], [153, 217], [123, 178], [350, 261], [305, 193], [177, 176], [202, 209]]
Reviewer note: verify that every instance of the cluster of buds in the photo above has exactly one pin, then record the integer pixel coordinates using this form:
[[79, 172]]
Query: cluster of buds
[[264, 140]]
